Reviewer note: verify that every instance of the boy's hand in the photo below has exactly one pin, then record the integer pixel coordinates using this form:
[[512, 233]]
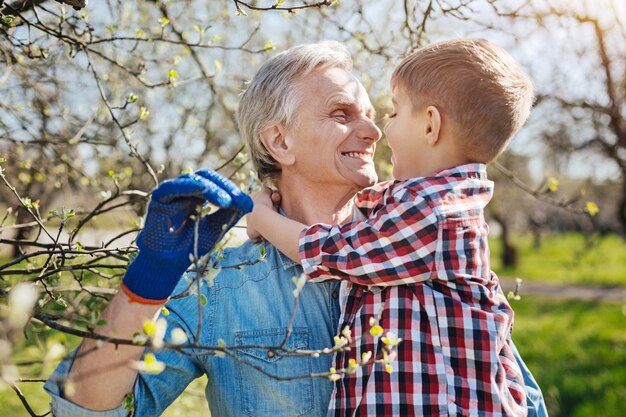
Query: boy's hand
[[264, 199], [168, 237]]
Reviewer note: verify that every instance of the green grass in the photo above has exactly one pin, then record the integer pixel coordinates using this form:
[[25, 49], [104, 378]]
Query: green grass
[[190, 404], [566, 259], [577, 352], [33, 391]]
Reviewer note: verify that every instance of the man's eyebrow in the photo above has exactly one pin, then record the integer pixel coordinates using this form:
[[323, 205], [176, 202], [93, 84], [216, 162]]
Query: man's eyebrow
[[341, 101], [370, 112]]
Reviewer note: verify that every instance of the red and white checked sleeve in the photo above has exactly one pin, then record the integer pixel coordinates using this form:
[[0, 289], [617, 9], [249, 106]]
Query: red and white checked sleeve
[[394, 246], [372, 198]]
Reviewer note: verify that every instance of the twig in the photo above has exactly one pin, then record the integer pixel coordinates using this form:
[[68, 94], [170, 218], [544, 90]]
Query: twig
[[290, 9], [132, 147], [25, 402], [539, 195]]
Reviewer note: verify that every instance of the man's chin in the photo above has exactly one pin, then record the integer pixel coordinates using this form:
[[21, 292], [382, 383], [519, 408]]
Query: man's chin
[[359, 177], [364, 180]]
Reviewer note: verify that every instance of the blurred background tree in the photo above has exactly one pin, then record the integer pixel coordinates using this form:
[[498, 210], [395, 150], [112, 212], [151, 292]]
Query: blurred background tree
[[99, 103]]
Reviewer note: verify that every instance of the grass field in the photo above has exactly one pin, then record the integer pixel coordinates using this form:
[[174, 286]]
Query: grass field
[[577, 352], [566, 259]]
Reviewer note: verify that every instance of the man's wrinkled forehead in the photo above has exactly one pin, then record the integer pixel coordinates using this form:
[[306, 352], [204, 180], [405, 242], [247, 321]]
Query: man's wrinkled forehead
[[337, 88]]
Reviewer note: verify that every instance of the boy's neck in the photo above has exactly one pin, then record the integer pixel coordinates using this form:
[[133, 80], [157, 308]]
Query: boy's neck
[[434, 165], [446, 154]]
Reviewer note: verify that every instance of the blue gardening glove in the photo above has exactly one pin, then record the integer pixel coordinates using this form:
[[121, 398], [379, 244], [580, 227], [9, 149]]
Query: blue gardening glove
[[167, 238]]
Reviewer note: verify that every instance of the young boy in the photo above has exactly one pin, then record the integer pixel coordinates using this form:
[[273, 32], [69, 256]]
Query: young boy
[[419, 262]]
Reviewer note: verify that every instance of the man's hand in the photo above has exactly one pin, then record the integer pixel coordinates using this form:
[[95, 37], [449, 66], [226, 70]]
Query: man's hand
[[267, 198], [167, 239]]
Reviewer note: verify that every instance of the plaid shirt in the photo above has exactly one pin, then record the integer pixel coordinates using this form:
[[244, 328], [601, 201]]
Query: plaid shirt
[[421, 261]]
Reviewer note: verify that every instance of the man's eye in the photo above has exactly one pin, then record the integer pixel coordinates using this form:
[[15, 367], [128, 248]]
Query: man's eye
[[341, 116], [392, 115]]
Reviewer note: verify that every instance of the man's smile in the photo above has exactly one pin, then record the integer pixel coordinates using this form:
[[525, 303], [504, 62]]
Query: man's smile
[[363, 155]]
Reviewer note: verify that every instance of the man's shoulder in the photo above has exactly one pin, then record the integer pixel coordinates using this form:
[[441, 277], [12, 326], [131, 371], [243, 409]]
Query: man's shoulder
[[247, 251], [261, 256], [249, 269], [235, 260]]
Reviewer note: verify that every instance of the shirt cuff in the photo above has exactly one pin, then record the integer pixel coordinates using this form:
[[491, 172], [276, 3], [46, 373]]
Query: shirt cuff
[[309, 249]]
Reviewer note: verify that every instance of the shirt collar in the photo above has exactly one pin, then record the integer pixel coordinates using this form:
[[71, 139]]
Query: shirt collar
[[285, 260], [471, 170]]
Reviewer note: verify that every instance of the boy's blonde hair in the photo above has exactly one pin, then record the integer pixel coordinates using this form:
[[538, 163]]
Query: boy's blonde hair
[[473, 83]]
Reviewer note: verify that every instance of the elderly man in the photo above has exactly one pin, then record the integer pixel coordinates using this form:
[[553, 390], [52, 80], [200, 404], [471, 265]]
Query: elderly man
[[310, 129]]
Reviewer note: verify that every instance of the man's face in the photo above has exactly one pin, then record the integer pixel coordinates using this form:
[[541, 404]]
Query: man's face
[[334, 136]]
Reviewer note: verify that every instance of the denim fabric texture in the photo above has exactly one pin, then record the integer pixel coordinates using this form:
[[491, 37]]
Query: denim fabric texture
[[246, 307]]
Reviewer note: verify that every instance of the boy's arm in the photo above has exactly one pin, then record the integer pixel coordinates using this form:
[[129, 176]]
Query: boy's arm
[[279, 230], [394, 246], [265, 223], [373, 198]]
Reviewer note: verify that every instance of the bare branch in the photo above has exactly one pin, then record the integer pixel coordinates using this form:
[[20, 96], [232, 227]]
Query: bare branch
[[277, 6], [25, 402]]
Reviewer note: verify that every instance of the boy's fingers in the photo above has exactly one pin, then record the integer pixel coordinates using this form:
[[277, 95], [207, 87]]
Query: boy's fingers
[[254, 236]]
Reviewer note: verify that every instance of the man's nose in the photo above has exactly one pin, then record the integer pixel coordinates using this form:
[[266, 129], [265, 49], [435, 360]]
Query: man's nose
[[369, 130]]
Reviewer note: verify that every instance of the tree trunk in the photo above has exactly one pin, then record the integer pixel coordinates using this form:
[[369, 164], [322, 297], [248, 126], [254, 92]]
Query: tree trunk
[[509, 252], [621, 208], [22, 233]]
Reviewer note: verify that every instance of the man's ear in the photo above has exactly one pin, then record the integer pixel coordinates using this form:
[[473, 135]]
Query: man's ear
[[433, 125], [277, 143]]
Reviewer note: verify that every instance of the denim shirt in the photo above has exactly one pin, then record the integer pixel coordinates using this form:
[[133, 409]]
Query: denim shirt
[[246, 307]]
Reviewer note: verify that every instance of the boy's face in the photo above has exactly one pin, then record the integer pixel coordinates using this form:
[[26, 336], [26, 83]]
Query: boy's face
[[405, 135]]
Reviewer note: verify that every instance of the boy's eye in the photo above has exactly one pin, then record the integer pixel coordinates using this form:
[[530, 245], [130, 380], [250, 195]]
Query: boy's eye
[[392, 115]]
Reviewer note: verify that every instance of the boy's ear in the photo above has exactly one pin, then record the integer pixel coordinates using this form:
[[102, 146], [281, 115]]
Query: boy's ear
[[433, 125], [277, 144]]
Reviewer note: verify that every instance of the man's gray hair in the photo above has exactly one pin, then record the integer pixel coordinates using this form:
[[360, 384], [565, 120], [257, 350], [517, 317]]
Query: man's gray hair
[[274, 95]]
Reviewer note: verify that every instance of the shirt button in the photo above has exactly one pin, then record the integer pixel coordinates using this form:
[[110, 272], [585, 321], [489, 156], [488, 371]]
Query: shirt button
[[335, 295], [270, 354]]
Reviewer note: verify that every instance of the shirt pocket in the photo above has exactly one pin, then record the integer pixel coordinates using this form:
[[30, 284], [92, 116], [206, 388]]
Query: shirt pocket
[[263, 395]]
